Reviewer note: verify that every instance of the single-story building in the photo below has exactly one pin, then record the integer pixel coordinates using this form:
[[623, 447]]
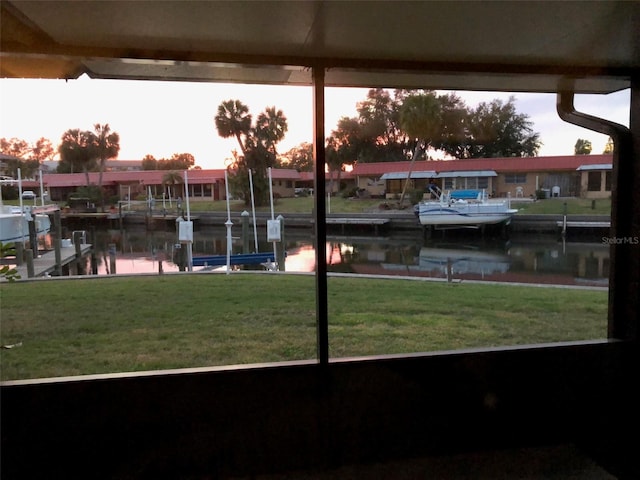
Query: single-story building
[[202, 184], [501, 177], [587, 176], [595, 180]]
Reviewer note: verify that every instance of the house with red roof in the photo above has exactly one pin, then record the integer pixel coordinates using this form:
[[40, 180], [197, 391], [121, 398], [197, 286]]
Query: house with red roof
[[201, 184], [586, 176]]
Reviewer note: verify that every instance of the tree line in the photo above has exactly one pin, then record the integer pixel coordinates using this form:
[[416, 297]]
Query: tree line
[[390, 126]]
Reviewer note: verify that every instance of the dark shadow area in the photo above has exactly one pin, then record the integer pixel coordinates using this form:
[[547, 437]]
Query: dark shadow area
[[313, 418]]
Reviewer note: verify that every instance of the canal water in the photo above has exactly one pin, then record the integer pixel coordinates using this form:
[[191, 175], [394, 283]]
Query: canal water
[[544, 259]]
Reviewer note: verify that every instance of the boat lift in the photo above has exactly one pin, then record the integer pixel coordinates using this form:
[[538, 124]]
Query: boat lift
[[256, 258]]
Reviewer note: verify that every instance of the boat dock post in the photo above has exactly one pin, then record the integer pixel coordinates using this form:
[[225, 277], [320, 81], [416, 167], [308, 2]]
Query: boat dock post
[[46, 264], [33, 236], [281, 254], [57, 243]]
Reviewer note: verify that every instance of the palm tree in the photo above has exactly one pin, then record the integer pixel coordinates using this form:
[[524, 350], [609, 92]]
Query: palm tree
[[421, 120], [233, 120], [75, 153], [172, 179], [105, 144], [582, 147], [609, 146], [272, 126]]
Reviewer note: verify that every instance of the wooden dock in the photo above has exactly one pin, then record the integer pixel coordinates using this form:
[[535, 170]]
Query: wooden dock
[[573, 227], [45, 264], [572, 224]]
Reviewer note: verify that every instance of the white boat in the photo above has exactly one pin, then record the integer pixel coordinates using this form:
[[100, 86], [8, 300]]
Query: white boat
[[463, 209], [14, 223]]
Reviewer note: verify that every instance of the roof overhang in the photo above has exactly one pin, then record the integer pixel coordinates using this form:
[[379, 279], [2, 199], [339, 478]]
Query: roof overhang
[[403, 175], [597, 166], [467, 173], [591, 46]]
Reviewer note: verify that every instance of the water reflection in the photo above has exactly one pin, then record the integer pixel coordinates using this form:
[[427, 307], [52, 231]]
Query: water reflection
[[527, 259]]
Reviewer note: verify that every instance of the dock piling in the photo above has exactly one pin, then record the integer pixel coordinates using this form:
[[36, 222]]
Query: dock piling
[[245, 231], [57, 242], [112, 258], [281, 246], [33, 237], [19, 253], [28, 253], [77, 243]]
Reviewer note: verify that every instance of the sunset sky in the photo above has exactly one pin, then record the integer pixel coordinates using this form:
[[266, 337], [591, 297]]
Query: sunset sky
[[163, 118]]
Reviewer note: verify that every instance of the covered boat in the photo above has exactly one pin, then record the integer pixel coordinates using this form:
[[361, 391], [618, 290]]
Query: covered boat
[[463, 209]]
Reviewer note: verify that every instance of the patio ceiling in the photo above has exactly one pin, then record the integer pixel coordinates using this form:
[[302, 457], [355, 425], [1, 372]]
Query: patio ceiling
[[509, 46]]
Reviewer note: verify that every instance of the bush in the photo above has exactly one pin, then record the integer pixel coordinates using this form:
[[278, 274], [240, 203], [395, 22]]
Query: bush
[[349, 192], [9, 192], [541, 194], [415, 196], [91, 192]]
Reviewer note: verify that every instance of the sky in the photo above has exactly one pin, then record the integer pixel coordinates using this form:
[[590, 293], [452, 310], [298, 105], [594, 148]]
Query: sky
[[163, 118]]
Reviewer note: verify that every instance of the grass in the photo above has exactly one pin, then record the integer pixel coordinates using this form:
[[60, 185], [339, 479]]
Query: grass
[[574, 206], [554, 206], [84, 326], [290, 205]]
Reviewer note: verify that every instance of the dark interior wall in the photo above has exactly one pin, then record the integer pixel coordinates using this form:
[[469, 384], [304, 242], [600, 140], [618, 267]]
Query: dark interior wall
[[308, 416]]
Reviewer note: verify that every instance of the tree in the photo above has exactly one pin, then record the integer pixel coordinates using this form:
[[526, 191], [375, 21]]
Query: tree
[[380, 138], [15, 147], [28, 157], [455, 124], [149, 162], [342, 147], [178, 161], [233, 120], [75, 154], [42, 150], [420, 118], [582, 147], [609, 146], [299, 158], [104, 145], [495, 129], [257, 144], [271, 126], [171, 179]]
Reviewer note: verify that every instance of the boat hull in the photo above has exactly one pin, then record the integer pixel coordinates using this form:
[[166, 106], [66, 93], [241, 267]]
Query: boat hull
[[14, 227], [464, 214]]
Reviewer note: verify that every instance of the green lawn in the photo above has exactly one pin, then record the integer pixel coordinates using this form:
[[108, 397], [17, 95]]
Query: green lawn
[[338, 204], [291, 205], [351, 205], [574, 206], [100, 325]]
